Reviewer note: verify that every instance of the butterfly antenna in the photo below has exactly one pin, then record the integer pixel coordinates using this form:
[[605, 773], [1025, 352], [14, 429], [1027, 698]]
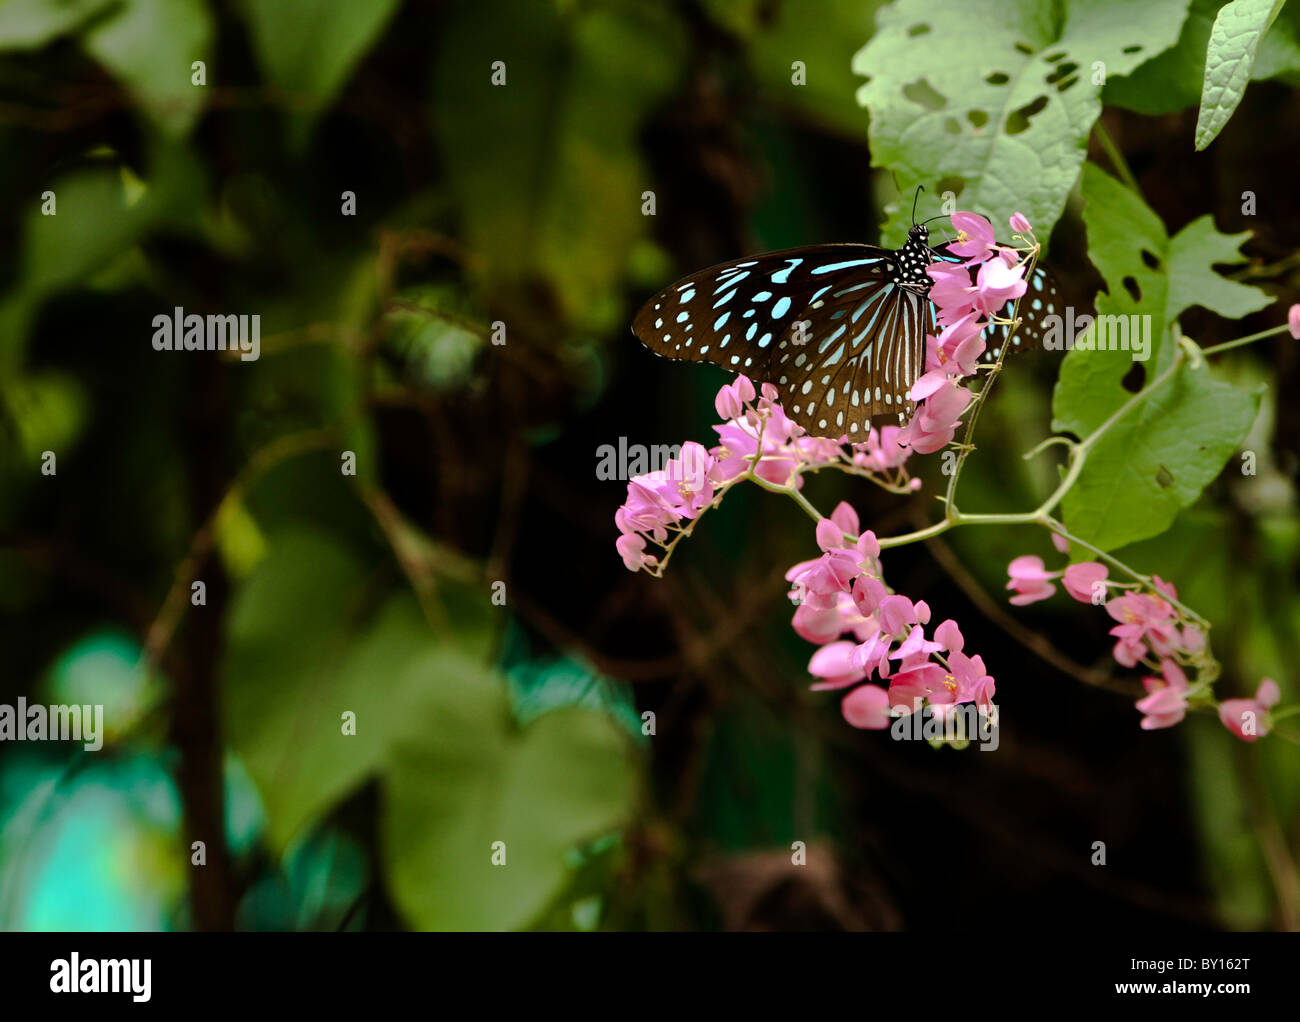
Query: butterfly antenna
[[919, 190]]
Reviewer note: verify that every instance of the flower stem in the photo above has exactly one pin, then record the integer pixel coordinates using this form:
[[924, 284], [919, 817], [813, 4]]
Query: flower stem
[[1242, 341]]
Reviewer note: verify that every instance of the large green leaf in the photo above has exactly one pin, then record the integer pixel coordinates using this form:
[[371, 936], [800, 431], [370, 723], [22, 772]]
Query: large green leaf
[[308, 48], [150, 45], [1158, 458], [1229, 58], [472, 778], [302, 651], [995, 100]]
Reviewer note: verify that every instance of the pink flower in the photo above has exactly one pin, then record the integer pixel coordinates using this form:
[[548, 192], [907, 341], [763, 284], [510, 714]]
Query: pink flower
[[896, 614], [1248, 718], [872, 655], [1293, 321], [935, 422], [631, 547], [960, 343], [780, 428], [952, 291], [824, 619], [915, 644], [926, 682], [732, 398], [949, 637], [732, 458], [1081, 579], [836, 665], [1193, 639], [974, 236], [996, 284], [973, 682], [1030, 580], [1020, 224], [882, 451], [1145, 621], [867, 706], [684, 483], [952, 355], [1164, 588], [842, 591], [818, 450], [645, 510], [1166, 701], [846, 519]]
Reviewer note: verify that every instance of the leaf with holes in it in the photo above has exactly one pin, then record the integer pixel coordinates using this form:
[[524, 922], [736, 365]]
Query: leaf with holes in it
[[1158, 458], [1171, 81], [1229, 59], [995, 100]]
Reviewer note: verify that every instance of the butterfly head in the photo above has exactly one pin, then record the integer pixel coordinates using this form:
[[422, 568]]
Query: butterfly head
[[919, 234]]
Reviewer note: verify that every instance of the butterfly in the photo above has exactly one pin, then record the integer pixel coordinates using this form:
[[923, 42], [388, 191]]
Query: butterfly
[[839, 329]]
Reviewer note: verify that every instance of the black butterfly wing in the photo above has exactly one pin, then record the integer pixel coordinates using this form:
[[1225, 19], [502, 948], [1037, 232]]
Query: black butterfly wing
[[860, 349], [780, 317], [1042, 300]]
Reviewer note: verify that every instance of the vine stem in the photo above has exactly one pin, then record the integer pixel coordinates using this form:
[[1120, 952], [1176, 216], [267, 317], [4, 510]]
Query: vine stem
[[1116, 158], [1242, 341], [1041, 515]]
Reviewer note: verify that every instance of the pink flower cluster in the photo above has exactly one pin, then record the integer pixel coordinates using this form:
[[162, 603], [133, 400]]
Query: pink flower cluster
[[756, 435], [1149, 630], [843, 591], [965, 306]]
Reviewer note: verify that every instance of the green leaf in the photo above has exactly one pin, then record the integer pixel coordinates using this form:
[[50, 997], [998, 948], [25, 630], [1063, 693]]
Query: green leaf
[[1279, 53], [1172, 80], [307, 48], [564, 147], [471, 779], [101, 212], [1229, 57], [29, 24], [995, 100], [1159, 457], [48, 410], [301, 653], [149, 45]]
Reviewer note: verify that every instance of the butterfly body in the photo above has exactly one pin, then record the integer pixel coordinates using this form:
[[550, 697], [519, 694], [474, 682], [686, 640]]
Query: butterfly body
[[839, 329]]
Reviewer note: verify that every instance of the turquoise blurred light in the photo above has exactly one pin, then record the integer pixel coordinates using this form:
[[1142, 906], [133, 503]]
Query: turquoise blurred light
[[95, 844], [92, 841], [105, 668]]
